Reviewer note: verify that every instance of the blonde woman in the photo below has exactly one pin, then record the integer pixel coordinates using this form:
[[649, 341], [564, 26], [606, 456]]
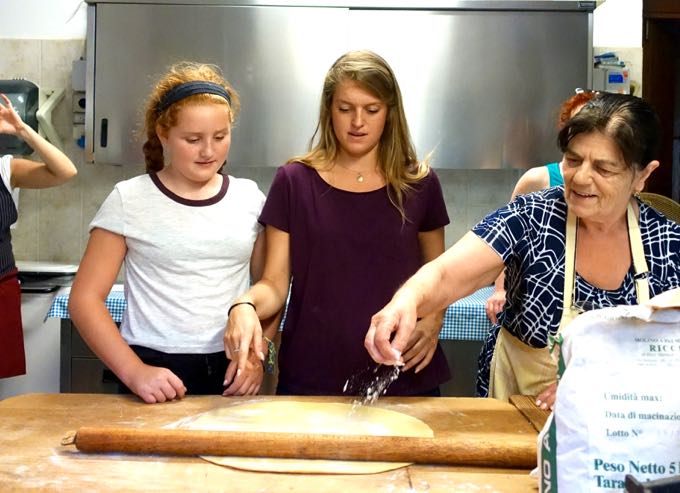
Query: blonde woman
[[346, 224]]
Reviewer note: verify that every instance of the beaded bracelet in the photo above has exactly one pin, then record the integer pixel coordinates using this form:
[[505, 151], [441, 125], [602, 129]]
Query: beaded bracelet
[[240, 303], [270, 363]]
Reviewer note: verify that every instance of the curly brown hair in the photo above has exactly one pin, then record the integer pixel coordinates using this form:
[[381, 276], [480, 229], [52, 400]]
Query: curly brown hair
[[153, 119]]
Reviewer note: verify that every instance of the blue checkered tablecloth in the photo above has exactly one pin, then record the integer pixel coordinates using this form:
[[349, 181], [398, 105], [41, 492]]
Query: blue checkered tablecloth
[[465, 319], [115, 302]]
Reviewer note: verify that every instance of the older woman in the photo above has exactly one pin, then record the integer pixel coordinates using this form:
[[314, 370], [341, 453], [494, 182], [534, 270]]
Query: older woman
[[533, 180], [624, 252]]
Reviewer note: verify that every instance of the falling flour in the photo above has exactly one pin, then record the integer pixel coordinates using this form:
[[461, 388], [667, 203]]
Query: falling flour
[[370, 384]]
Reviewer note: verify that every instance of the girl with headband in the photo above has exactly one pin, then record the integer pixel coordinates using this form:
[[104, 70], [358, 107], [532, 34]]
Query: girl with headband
[[190, 241]]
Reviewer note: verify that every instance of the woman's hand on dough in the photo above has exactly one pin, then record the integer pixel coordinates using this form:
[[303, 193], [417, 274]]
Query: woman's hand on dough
[[423, 343], [246, 382], [155, 384], [546, 399]]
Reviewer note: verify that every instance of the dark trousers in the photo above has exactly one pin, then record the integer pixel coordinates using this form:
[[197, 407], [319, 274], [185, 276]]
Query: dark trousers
[[12, 356], [202, 374]]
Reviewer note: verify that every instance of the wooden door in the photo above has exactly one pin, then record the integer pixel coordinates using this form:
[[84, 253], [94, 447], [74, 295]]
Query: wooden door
[[661, 86]]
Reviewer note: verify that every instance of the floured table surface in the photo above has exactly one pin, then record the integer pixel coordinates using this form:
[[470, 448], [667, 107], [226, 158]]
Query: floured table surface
[[32, 427]]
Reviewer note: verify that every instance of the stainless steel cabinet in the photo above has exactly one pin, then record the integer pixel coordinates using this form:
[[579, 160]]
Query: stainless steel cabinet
[[481, 80], [272, 55], [481, 88]]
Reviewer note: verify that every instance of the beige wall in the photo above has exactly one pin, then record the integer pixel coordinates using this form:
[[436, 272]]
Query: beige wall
[[52, 223]]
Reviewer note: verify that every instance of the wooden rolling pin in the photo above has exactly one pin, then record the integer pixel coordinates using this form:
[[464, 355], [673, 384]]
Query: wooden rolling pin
[[479, 449]]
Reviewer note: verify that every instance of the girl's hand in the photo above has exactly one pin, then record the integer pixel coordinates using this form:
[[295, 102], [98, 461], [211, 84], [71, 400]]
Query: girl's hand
[[155, 384], [243, 328], [10, 122], [246, 382], [546, 399], [494, 305], [423, 343]]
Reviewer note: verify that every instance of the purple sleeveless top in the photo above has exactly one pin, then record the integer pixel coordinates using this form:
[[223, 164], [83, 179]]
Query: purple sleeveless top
[[349, 253]]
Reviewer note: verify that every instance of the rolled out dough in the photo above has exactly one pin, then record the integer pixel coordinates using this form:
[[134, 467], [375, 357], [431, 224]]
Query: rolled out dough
[[308, 417]]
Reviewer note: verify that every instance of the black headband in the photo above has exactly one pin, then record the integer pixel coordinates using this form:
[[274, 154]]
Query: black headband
[[187, 89]]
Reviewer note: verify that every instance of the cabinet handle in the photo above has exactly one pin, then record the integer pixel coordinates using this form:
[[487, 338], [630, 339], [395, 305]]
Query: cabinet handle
[[104, 132], [108, 376]]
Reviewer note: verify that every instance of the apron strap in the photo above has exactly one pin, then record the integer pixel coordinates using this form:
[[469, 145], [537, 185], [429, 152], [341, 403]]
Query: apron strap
[[569, 263], [639, 260], [637, 252]]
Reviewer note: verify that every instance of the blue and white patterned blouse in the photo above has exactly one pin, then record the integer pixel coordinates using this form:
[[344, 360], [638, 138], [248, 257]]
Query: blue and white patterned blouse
[[529, 234]]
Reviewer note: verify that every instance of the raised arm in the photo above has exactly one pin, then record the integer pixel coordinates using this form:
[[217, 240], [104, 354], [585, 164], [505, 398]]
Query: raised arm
[[468, 265], [96, 274], [55, 168], [265, 299]]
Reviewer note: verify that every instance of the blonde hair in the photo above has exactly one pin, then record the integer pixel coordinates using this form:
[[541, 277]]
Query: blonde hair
[[396, 154], [179, 74]]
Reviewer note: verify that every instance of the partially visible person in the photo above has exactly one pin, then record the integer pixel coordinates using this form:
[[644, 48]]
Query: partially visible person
[[533, 180], [54, 169], [190, 241], [346, 224], [624, 252]]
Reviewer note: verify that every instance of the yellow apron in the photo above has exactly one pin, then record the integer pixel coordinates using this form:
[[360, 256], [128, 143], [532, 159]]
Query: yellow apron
[[517, 368]]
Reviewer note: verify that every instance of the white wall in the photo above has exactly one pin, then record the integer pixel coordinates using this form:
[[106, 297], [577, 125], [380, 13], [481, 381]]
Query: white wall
[[617, 27], [618, 23], [43, 19]]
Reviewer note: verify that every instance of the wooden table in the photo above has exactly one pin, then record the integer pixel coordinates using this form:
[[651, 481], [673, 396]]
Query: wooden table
[[32, 457]]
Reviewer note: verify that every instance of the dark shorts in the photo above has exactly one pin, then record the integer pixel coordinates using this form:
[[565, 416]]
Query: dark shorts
[[202, 374]]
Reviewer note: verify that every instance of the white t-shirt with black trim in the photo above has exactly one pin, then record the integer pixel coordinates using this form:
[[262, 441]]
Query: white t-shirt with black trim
[[187, 260]]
